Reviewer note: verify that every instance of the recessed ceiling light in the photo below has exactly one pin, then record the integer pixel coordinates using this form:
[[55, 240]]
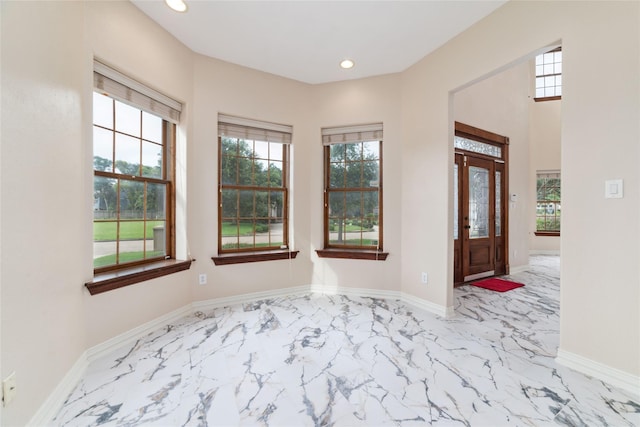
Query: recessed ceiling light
[[347, 63], [177, 5]]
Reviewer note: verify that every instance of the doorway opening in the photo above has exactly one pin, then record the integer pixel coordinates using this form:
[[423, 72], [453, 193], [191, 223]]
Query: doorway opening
[[481, 232]]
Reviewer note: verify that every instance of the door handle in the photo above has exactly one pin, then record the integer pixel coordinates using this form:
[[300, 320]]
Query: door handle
[[466, 227]]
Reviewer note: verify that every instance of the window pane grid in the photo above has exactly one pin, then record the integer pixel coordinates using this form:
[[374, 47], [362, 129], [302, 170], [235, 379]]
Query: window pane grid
[[353, 195], [253, 195], [549, 74], [548, 206], [131, 194]]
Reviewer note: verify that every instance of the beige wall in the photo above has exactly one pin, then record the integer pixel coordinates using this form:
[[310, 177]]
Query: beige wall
[[225, 88], [599, 141], [544, 154], [500, 104], [48, 319], [43, 163], [123, 37], [363, 101]]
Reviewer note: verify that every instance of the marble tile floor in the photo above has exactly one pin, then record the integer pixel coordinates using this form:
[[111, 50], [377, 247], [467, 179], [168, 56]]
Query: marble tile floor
[[334, 360]]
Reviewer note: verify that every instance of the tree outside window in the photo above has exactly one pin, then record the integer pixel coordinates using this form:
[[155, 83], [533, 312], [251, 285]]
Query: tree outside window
[[548, 204], [353, 195], [253, 194]]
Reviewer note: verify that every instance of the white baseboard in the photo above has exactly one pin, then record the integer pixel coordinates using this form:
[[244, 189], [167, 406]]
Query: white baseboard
[[518, 269], [613, 376], [357, 292], [138, 332], [543, 252], [437, 309], [50, 408], [245, 298]]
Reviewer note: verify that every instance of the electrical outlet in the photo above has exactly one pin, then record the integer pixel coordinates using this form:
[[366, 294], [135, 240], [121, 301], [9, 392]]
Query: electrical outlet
[[9, 389], [202, 279], [424, 277]]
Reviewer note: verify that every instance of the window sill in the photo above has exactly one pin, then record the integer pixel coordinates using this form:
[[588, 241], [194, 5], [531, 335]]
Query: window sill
[[104, 282], [352, 254], [547, 233], [548, 98], [244, 257]]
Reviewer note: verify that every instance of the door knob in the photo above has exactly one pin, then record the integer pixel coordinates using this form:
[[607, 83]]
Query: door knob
[[466, 227]]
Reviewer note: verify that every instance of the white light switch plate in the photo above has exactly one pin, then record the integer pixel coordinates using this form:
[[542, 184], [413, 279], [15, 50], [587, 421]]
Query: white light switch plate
[[613, 189]]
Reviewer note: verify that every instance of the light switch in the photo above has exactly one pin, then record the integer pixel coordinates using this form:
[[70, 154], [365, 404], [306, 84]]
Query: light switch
[[613, 189]]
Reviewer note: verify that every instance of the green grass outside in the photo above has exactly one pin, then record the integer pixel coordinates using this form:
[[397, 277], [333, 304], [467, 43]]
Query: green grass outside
[[124, 258], [230, 229], [106, 231], [349, 228]]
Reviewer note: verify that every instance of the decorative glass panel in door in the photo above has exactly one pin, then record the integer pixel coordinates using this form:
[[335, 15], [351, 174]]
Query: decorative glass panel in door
[[498, 203], [478, 202], [455, 201]]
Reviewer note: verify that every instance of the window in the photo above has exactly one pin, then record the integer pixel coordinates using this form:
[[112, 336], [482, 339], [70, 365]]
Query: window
[[133, 135], [253, 208], [353, 191], [548, 203], [549, 75]]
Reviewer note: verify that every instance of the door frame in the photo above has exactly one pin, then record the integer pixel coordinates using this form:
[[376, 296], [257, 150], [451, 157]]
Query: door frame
[[501, 244]]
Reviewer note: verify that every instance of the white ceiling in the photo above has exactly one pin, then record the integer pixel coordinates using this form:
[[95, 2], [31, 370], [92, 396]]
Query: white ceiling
[[306, 40]]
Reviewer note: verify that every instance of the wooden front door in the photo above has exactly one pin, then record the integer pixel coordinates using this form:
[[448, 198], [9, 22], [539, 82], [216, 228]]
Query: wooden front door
[[480, 233]]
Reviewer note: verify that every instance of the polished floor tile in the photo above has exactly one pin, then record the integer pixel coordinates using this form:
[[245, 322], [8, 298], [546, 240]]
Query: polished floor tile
[[334, 360]]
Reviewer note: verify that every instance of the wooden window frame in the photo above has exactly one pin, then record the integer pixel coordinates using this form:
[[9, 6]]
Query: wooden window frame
[[352, 251], [547, 233], [254, 253], [119, 275], [168, 172], [546, 98]]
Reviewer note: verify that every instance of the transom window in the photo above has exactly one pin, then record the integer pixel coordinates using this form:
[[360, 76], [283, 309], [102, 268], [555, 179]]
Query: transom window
[[254, 177], [477, 146], [548, 207], [133, 173], [353, 187], [549, 75]]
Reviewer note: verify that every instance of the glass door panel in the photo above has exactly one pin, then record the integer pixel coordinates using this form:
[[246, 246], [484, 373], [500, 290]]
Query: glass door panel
[[498, 203], [455, 202], [478, 202]]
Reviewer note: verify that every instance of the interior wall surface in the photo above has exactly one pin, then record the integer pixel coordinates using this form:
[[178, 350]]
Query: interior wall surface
[[356, 102], [42, 176], [500, 104], [589, 118], [221, 87], [120, 35], [545, 134]]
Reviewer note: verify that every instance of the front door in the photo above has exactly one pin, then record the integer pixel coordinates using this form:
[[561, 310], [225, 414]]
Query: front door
[[480, 248]]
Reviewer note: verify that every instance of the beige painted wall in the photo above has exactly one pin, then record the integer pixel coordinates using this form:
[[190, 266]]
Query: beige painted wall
[[123, 37], [599, 141], [43, 163], [363, 101], [48, 319], [544, 154], [230, 89], [500, 104]]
